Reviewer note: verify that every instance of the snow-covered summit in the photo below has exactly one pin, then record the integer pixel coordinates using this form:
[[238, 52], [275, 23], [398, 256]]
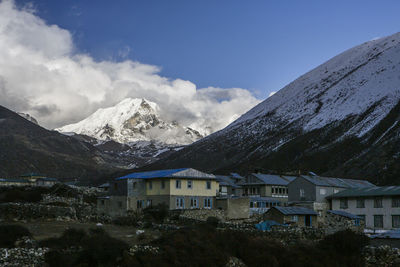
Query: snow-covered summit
[[132, 120]]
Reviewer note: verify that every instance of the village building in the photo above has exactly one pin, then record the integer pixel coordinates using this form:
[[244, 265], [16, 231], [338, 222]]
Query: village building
[[228, 186], [46, 181], [32, 177], [311, 191], [176, 188], [379, 207], [295, 216], [267, 185], [13, 182]]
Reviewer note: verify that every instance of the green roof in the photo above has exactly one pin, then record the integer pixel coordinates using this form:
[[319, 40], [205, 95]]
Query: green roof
[[368, 192]]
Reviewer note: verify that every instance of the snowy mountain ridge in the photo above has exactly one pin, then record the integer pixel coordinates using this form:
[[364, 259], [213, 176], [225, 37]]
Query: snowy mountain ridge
[[346, 85], [130, 121], [340, 119]]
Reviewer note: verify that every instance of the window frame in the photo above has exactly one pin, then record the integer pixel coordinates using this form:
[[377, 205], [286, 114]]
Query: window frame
[[178, 184], [162, 184], [150, 185], [344, 203], [375, 221], [208, 185], [360, 203], [397, 216], [395, 202], [207, 203], [190, 182], [378, 202]]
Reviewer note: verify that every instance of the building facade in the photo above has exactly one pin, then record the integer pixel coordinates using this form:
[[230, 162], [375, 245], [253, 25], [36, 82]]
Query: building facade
[[177, 189], [312, 191], [298, 216], [379, 207]]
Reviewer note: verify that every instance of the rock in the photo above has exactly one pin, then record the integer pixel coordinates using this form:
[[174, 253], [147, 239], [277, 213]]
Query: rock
[[235, 262], [138, 232]]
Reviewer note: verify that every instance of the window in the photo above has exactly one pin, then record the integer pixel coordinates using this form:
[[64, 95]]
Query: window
[[102, 202], [378, 202], [335, 191], [251, 204], [134, 185], [193, 203], [302, 192], [119, 204], [362, 217], [162, 184], [207, 203], [189, 184], [115, 186], [378, 221], [178, 184], [280, 190], [208, 185], [150, 185], [149, 203], [344, 203], [395, 202], [360, 203], [322, 191], [139, 204], [395, 221], [180, 203], [295, 218], [258, 190]]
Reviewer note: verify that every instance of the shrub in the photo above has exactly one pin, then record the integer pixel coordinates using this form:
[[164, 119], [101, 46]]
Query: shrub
[[9, 234], [213, 221], [125, 221], [96, 248], [157, 213]]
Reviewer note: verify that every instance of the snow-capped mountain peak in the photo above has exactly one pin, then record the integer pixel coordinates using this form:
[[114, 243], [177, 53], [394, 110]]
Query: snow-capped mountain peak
[[132, 120]]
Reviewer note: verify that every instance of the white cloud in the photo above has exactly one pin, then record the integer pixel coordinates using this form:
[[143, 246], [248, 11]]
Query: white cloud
[[41, 74], [271, 94]]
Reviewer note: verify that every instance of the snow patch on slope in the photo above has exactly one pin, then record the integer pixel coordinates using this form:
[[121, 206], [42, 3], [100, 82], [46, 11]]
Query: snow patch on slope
[[349, 84], [132, 120]]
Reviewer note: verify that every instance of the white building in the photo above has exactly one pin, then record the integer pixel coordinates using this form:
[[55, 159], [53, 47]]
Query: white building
[[379, 206]]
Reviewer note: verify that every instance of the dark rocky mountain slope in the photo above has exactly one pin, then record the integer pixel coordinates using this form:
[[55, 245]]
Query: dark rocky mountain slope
[[339, 119], [27, 147]]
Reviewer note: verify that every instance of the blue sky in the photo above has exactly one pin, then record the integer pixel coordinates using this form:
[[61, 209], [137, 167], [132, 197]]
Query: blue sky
[[257, 45]]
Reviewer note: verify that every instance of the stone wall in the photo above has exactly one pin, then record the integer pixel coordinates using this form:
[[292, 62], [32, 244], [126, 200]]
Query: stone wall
[[202, 214], [28, 211], [333, 223]]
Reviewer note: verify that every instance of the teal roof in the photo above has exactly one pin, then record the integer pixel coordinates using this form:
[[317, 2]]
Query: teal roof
[[369, 192], [344, 214]]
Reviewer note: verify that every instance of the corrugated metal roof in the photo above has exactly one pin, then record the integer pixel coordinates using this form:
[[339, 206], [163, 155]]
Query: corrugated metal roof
[[366, 192], [226, 180], [295, 211], [264, 199], [391, 234], [48, 179], [344, 214], [337, 182], [172, 173], [271, 179]]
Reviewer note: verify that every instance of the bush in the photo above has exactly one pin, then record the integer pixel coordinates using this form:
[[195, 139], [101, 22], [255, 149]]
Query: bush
[[213, 221], [125, 221], [96, 248], [9, 234], [157, 213]]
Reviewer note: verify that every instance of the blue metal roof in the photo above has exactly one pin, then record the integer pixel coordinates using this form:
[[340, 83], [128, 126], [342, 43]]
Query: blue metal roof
[[151, 174], [295, 211], [344, 214], [391, 234]]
